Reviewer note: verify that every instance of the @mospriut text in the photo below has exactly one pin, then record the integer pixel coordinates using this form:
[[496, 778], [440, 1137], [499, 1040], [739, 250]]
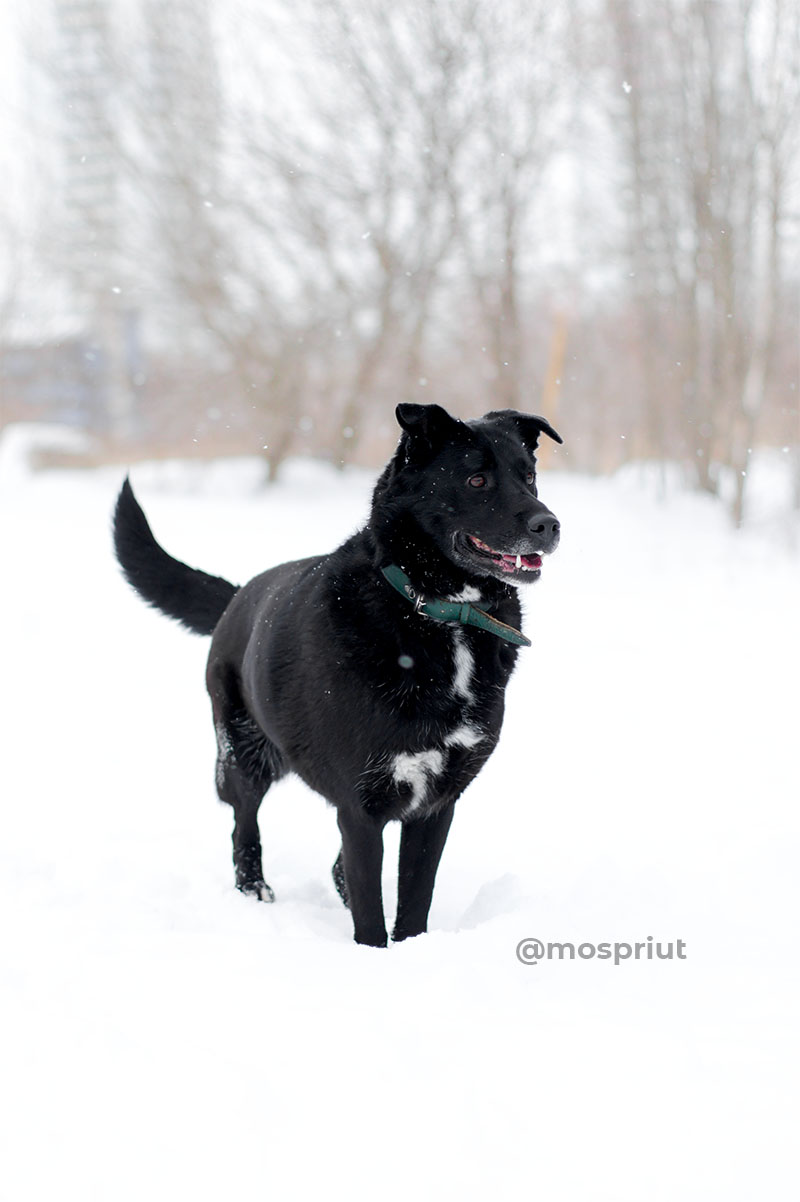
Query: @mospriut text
[[531, 951]]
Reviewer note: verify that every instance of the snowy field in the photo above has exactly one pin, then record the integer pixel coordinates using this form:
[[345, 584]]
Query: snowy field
[[164, 1037]]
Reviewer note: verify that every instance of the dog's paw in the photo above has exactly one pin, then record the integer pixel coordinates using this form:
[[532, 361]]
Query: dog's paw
[[260, 890]]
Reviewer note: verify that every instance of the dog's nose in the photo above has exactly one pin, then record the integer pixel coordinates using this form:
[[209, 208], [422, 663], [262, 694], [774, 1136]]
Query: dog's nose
[[547, 529]]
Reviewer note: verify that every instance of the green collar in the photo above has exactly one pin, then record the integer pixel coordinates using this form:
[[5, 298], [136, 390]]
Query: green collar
[[451, 611]]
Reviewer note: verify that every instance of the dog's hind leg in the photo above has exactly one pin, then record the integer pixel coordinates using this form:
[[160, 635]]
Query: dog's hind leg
[[361, 861], [421, 846], [236, 788], [247, 764]]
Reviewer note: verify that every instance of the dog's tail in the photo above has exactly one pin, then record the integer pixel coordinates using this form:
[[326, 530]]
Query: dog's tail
[[186, 594]]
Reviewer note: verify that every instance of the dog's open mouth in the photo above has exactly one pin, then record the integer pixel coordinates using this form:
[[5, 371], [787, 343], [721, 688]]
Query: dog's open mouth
[[506, 562]]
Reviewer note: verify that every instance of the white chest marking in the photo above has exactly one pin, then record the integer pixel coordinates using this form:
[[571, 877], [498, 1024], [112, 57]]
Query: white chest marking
[[464, 665], [415, 768], [465, 735], [469, 594]]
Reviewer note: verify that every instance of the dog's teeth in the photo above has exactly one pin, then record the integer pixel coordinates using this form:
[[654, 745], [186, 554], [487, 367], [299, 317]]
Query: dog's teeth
[[519, 562]]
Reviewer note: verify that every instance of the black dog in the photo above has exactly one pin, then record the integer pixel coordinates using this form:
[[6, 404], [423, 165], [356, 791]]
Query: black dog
[[376, 673]]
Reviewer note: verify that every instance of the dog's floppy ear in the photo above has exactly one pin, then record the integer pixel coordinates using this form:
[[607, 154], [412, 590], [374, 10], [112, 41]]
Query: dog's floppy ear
[[430, 425], [529, 427]]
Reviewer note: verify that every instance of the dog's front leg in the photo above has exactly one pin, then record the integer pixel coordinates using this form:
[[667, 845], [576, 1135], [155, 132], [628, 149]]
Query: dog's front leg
[[362, 860], [421, 846]]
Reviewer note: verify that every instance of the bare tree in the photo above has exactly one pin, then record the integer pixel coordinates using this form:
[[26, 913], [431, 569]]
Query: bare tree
[[710, 126], [363, 173], [517, 118]]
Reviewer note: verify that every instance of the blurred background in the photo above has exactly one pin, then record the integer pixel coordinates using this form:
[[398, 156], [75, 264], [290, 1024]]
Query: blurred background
[[254, 226]]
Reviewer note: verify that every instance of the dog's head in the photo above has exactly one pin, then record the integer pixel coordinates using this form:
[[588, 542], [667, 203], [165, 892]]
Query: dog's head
[[471, 486]]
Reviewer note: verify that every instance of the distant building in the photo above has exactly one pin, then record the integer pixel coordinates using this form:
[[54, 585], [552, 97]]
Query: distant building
[[66, 381]]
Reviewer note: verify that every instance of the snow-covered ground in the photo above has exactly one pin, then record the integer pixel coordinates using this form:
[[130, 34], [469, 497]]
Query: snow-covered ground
[[165, 1038]]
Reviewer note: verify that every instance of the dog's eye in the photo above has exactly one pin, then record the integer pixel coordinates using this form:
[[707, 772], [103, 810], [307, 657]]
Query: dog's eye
[[529, 478], [477, 481]]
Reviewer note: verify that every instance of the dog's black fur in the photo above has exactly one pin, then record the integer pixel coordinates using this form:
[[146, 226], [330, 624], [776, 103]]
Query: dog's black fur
[[320, 667]]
